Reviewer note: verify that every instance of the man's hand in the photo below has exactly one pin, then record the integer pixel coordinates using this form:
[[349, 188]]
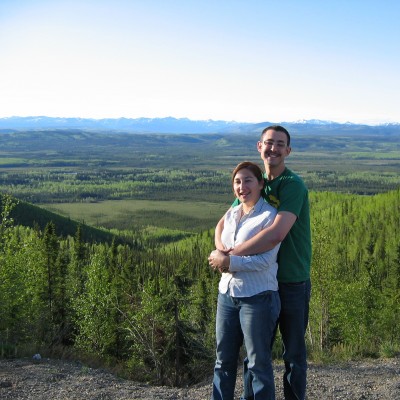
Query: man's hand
[[219, 260]]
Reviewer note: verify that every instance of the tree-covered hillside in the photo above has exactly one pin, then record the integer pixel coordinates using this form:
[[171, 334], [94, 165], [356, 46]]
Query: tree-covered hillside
[[151, 309]]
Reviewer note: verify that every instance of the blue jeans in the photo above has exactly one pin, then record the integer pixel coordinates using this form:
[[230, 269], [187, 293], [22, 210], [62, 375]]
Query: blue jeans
[[252, 319], [293, 321]]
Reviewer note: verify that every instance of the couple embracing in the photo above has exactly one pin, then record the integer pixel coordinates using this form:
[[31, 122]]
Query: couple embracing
[[263, 252]]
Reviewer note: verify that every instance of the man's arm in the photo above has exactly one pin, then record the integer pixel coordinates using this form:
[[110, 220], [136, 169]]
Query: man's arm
[[268, 238]]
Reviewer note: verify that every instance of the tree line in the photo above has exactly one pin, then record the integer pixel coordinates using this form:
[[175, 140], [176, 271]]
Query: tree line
[[149, 310]]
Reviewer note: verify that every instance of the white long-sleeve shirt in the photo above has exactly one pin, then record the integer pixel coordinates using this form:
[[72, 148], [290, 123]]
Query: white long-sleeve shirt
[[249, 275]]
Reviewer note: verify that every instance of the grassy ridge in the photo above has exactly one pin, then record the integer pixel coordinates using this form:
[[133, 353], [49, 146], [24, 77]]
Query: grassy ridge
[[33, 216]]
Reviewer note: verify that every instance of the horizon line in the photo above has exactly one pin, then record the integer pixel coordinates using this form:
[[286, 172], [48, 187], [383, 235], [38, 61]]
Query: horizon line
[[298, 121]]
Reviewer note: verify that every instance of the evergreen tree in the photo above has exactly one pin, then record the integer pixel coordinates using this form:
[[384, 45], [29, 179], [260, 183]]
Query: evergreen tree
[[94, 308]]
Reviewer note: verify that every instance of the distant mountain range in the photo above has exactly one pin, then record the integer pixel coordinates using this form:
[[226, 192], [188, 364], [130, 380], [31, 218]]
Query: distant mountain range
[[172, 125]]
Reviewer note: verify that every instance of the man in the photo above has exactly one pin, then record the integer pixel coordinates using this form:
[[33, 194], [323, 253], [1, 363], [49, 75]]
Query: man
[[287, 192]]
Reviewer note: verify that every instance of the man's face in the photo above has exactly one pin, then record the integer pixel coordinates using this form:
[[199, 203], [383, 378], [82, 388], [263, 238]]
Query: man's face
[[273, 148]]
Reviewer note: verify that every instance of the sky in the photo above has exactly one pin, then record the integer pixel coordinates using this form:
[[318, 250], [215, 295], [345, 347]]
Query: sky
[[233, 60]]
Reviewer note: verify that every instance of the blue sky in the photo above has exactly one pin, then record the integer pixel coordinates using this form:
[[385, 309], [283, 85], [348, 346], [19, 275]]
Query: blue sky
[[248, 61]]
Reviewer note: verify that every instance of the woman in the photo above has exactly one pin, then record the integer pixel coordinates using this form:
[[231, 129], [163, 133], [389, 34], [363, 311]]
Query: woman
[[248, 301]]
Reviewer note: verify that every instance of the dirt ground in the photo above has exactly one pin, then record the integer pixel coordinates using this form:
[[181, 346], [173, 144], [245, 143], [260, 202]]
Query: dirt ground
[[64, 380]]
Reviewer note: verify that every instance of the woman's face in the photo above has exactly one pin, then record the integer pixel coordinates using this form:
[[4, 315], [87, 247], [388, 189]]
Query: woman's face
[[246, 187]]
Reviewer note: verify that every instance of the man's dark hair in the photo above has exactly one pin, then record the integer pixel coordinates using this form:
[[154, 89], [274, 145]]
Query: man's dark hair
[[277, 128]]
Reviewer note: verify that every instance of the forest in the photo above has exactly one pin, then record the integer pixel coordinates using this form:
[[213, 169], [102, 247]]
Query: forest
[[145, 306]]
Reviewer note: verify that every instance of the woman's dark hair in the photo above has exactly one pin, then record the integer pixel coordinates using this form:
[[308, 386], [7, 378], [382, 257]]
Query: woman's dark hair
[[253, 167]]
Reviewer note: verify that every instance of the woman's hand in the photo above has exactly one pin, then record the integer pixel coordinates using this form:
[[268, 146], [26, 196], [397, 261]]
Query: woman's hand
[[219, 260]]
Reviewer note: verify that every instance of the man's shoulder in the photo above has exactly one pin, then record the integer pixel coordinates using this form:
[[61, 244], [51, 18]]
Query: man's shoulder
[[288, 176]]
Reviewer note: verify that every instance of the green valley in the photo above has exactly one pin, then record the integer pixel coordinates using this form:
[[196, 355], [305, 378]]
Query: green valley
[[104, 239]]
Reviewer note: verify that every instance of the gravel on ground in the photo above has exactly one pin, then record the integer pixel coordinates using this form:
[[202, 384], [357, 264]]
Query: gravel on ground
[[29, 379]]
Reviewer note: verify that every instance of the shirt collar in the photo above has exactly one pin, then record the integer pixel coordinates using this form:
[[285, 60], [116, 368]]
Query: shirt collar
[[256, 208]]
